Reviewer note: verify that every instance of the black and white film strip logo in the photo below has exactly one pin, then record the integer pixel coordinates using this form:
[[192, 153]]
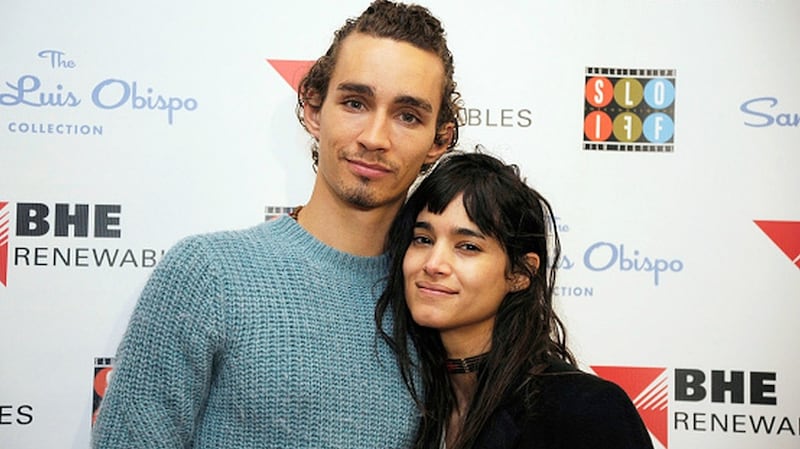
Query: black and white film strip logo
[[272, 212], [102, 371], [629, 110]]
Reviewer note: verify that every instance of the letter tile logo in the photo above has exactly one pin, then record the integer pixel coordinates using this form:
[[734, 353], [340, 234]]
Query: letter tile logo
[[785, 234], [648, 389], [4, 227], [629, 110], [292, 71]]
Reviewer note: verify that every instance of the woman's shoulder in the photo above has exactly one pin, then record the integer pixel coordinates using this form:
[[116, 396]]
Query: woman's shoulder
[[564, 407], [568, 389]]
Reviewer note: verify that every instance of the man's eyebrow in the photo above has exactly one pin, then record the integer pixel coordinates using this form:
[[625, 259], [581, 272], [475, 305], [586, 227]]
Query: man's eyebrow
[[357, 88], [363, 89], [415, 102]]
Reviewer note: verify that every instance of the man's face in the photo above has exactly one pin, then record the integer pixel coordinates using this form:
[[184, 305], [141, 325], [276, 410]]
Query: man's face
[[377, 124]]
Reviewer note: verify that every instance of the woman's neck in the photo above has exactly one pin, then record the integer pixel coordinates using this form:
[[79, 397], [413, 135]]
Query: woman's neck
[[463, 381], [464, 386]]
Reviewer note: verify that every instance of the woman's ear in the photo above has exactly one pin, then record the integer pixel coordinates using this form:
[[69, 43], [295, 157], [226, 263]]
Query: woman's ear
[[532, 261], [521, 279], [519, 282]]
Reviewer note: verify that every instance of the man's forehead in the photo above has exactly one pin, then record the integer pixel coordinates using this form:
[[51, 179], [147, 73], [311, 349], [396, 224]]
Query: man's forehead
[[380, 65], [357, 44]]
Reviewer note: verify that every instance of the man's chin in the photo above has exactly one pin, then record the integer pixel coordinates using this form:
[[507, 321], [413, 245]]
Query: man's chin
[[362, 199]]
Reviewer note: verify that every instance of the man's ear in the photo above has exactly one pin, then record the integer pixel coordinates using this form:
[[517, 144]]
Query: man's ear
[[440, 143], [311, 113], [520, 279]]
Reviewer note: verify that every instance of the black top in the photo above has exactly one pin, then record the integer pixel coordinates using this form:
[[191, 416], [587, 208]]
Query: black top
[[573, 410]]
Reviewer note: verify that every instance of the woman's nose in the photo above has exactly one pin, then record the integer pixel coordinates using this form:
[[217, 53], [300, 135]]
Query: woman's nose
[[437, 262]]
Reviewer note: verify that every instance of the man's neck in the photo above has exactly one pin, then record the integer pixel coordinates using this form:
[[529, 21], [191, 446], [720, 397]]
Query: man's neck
[[347, 228]]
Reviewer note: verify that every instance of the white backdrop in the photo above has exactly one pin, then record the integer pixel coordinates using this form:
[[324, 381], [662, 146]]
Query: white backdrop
[[166, 119]]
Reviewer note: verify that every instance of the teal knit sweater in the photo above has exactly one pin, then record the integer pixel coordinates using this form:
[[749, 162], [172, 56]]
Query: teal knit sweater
[[262, 338]]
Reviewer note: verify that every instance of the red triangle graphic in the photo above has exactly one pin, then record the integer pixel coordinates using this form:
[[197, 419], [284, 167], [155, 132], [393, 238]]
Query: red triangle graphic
[[656, 423], [292, 71], [634, 380], [3, 247], [785, 234], [4, 264]]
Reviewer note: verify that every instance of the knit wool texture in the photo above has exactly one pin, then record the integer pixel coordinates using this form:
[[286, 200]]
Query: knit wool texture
[[260, 338]]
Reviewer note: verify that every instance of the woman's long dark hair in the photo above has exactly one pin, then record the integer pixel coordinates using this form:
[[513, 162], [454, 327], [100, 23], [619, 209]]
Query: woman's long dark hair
[[527, 332]]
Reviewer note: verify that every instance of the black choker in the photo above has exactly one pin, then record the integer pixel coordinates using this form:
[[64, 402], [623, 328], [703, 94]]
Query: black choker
[[468, 365]]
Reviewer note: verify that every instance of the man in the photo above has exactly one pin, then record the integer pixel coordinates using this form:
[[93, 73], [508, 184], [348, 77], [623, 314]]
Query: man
[[265, 337]]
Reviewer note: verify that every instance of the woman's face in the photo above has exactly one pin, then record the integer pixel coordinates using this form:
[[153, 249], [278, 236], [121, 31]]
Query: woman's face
[[455, 279]]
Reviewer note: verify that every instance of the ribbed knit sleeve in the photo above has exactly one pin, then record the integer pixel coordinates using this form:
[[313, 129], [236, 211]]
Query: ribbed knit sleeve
[[167, 357]]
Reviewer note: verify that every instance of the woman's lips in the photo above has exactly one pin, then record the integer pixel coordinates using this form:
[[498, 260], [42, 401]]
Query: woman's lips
[[435, 289]]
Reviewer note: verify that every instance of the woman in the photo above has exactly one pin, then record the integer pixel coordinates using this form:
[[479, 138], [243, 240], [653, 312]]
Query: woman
[[469, 296]]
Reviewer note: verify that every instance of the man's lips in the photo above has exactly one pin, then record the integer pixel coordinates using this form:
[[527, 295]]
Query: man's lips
[[368, 169]]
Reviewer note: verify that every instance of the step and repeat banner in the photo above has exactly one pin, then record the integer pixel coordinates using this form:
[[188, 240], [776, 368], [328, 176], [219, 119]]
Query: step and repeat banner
[[666, 135]]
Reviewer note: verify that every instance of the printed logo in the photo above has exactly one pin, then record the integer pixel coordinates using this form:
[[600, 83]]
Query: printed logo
[[39, 224], [272, 212], [496, 118], [4, 227], [647, 388], [629, 110], [102, 373], [48, 92], [292, 71], [785, 234], [717, 401], [16, 414], [604, 256], [759, 117], [622, 259], [564, 263]]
